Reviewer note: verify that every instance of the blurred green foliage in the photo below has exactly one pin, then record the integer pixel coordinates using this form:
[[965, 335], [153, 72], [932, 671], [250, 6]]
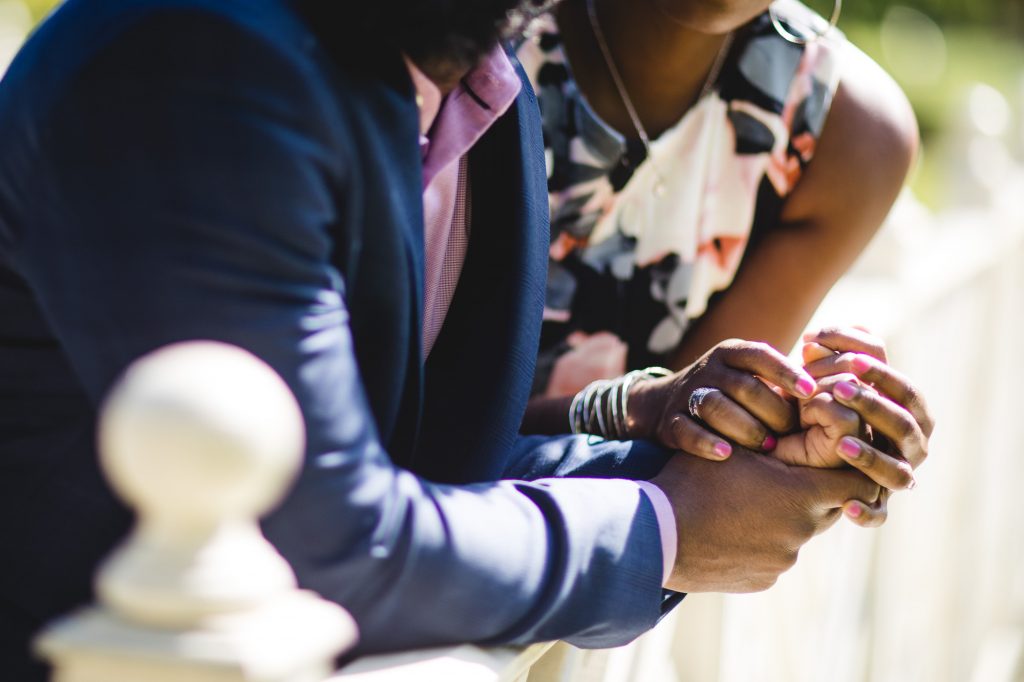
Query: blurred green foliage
[[1004, 15], [39, 8]]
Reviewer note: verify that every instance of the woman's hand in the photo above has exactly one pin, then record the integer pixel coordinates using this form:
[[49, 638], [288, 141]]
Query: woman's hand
[[888, 402], [737, 391]]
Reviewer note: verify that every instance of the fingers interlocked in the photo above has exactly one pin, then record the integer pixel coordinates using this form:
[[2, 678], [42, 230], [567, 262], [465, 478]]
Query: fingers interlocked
[[728, 394]]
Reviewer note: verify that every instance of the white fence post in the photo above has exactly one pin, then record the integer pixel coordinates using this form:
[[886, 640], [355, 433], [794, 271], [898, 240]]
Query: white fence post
[[201, 438]]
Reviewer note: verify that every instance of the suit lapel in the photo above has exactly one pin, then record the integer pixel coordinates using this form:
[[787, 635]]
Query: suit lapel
[[480, 370]]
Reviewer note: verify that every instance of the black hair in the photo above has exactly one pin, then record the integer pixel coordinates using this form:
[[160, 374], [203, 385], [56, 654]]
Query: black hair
[[454, 31]]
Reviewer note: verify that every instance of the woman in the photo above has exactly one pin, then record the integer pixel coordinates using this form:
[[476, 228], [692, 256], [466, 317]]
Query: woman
[[778, 149]]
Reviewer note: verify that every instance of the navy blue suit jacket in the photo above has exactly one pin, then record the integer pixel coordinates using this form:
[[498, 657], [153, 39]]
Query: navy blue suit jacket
[[243, 171]]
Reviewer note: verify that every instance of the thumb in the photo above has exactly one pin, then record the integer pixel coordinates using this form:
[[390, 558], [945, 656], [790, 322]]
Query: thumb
[[836, 486]]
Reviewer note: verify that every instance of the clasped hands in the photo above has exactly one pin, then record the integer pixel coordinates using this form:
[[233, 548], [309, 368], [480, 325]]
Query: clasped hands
[[781, 451]]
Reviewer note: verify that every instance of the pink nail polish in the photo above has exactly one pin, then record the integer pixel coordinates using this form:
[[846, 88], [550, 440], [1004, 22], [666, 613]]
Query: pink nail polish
[[769, 443], [849, 448], [854, 510], [846, 391], [805, 387], [861, 364], [723, 450]]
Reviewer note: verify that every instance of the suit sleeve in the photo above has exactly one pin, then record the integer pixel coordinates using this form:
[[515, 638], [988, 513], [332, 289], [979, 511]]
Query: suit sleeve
[[186, 193]]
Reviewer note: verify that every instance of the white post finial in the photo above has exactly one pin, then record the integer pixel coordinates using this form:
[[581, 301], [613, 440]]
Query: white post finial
[[201, 438]]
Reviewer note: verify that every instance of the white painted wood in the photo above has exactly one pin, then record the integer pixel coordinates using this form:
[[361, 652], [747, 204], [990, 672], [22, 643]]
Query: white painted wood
[[200, 438], [454, 664]]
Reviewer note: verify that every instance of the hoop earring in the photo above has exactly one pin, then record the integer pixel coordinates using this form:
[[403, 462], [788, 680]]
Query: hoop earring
[[781, 29]]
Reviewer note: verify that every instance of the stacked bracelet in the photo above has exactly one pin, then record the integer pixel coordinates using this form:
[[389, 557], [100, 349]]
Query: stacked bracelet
[[602, 408]]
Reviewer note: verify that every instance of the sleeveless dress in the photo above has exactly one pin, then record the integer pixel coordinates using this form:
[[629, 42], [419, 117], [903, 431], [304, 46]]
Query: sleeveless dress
[[645, 267]]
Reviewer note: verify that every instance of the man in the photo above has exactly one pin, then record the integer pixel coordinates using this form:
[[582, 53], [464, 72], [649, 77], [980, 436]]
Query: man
[[253, 171]]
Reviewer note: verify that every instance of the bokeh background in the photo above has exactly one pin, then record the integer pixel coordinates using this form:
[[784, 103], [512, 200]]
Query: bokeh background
[[938, 50], [937, 595]]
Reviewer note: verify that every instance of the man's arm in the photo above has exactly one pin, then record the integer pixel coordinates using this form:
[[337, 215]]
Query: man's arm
[[186, 194]]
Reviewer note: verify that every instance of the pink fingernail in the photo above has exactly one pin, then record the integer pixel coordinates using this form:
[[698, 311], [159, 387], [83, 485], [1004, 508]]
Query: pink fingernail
[[810, 336], [861, 364], [845, 390], [805, 387], [849, 448], [854, 510], [723, 449], [912, 484], [769, 443]]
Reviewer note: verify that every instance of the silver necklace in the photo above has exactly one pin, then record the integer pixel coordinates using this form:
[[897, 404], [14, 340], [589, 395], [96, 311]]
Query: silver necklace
[[602, 43]]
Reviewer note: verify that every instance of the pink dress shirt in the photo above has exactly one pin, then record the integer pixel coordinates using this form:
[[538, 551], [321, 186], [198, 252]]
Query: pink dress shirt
[[449, 127]]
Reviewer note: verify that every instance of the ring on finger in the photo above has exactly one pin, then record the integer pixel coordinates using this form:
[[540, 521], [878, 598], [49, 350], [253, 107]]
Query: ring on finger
[[696, 399]]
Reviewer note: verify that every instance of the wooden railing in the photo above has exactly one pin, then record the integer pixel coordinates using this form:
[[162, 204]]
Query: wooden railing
[[200, 438]]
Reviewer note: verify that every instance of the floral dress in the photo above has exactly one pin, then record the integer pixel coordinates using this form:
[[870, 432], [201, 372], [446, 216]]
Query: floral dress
[[644, 267]]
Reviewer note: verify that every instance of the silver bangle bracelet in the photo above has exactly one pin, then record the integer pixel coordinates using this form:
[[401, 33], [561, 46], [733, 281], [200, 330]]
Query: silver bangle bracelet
[[602, 407]]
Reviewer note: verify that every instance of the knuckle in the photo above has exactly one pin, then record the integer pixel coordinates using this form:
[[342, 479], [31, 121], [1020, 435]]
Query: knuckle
[[785, 421], [868, 458], [904, 476], [928, 426], [758, 347], [679, 428], [727, 346], [907, 431], [744, 388], [848, 377], [868, 403]]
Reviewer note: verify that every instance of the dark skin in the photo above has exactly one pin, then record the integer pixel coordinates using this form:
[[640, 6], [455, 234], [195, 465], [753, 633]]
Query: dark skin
[[664, 49], [719, 504], [741, 522]]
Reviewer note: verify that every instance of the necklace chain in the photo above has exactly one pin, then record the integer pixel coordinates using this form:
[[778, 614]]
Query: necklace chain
[[620, 85]]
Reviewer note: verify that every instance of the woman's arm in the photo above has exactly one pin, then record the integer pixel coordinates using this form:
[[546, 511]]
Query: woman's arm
[[863, 157]]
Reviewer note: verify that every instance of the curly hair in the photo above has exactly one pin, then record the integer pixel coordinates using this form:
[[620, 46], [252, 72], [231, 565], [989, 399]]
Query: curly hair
[[455, 31]]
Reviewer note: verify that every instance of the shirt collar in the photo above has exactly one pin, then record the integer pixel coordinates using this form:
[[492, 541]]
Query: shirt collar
[[493, 84]]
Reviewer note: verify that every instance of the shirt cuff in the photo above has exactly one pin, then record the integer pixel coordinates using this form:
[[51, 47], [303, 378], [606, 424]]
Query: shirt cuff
[[666, 526]]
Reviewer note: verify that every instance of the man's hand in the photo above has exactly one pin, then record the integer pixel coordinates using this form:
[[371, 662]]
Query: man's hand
[[734, 382], [741, 522]]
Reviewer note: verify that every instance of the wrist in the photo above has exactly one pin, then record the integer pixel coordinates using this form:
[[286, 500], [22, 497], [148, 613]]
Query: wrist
[[645, 405]]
